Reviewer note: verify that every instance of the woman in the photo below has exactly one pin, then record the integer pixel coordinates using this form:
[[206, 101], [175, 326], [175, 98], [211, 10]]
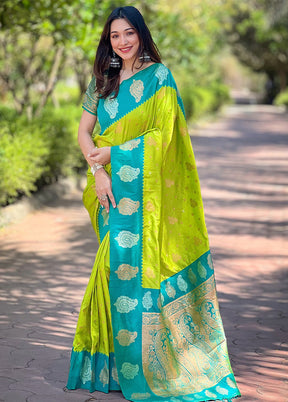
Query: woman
[[149, 323]]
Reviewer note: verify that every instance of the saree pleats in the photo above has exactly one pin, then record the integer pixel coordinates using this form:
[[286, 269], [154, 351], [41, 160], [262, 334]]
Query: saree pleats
[[93, 364], [152, 301]]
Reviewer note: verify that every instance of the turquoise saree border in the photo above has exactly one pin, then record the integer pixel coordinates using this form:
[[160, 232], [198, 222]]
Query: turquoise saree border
[[95, 372], [125, 266]]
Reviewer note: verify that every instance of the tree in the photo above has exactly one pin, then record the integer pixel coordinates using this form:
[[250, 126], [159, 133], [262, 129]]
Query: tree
[[31, 49], [35, 40], [257, 32]]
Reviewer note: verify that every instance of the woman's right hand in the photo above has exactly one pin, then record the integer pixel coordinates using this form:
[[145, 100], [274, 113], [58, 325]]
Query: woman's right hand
[[103, 185]]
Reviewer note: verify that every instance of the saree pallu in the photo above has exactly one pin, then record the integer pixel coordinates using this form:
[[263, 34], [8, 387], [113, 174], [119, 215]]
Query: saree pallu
[[149, 323]]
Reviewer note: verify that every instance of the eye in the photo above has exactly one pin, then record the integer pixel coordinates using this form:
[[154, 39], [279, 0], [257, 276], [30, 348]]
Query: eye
[[114, 36], [130, 33]]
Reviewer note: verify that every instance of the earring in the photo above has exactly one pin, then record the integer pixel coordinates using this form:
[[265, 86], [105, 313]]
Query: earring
[[145, 57], [115, 61]]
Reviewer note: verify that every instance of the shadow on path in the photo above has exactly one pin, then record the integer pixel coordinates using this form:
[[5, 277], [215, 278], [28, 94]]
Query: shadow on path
[[242, 164]]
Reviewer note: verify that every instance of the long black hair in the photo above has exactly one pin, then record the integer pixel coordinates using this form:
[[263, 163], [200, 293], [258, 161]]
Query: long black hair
[[107, 78]]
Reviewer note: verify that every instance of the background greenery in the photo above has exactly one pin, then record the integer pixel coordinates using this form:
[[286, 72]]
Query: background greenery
[[47, 50]]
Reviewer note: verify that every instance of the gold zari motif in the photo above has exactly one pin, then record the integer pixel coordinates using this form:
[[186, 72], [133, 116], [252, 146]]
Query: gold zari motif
[[136, 90], [186, 327]]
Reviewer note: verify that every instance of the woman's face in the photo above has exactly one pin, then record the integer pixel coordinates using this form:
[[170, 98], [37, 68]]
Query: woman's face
[[124, 39]]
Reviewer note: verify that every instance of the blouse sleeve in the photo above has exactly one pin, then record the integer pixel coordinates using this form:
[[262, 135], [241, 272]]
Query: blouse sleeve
[[91, 99]]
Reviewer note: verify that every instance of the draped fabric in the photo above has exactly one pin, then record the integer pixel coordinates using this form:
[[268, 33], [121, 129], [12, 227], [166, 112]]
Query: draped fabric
[[149, 323]]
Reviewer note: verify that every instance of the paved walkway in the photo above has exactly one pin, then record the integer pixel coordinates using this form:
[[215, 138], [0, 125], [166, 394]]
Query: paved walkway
[[45, 262]]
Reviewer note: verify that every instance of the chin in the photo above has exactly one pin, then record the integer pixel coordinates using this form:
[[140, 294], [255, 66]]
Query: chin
[[128, 56]]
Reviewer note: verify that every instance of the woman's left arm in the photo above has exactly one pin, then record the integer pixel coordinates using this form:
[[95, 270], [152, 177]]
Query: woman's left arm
[[100, 155], [90, 152]]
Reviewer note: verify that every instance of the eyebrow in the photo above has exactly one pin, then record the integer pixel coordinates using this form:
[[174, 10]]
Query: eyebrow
[[127, 29]]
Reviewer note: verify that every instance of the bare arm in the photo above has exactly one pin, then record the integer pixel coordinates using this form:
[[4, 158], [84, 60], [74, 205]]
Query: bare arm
[[99, 155], [86, 127]]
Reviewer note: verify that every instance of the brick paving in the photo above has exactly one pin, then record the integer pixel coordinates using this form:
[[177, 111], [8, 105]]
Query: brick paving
[[46, 259]]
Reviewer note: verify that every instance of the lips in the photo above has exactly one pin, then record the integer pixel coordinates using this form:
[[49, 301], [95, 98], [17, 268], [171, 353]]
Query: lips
[[125, 49]]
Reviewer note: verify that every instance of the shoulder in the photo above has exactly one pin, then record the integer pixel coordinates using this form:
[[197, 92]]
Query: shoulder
[[92, 84], [90, 101], [163, 75]]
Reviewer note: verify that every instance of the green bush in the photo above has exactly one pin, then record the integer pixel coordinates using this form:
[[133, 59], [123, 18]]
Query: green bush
[[221, 94], [37, 152], [282, 99], [199, 101]]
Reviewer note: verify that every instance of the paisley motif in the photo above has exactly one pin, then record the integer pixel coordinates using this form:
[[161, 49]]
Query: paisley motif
[[86, 372], [115, 375], [114, 372], [171, 292], [210, 394], [230, 383], [127, 239], [129, 370], [125, 337], [128, 173], [105, 217], [111, 106], [126, 272], [182, 285], [201, 270], [222, 391], [104, 375], [124, 304], [192, 276], [161, 73], [127, 206], [130, 145], [209, 261], [136, 90], [138, 395], [147, 301]]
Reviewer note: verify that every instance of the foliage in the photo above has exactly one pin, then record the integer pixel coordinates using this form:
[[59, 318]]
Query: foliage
[[199, 101], [37, 151], [257, 32], [37, 38], [22, 156], [191, 39], [282, 99]]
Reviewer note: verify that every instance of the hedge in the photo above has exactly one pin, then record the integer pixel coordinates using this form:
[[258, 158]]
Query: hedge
[[199, 101], [282, 99], [37, 152]]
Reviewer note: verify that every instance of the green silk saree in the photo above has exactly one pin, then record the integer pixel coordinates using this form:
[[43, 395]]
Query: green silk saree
[[149, 323]]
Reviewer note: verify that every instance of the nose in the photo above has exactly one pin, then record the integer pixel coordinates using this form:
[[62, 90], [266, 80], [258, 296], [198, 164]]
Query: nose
[[123, 40]]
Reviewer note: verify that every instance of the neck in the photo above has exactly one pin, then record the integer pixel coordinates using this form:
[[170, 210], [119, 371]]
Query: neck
[[128, 65]]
